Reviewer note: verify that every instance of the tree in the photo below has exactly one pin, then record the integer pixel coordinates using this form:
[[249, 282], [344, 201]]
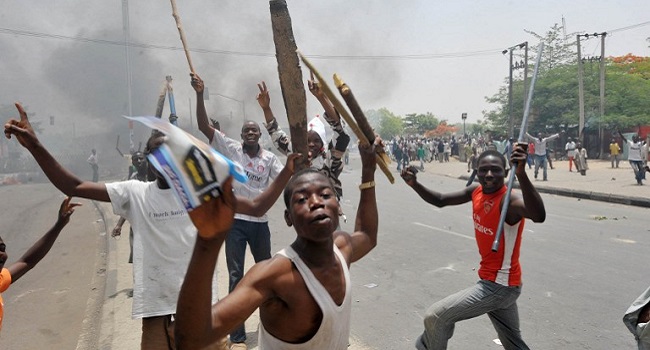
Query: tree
[[558, 48], [442, 130], [420, 123], [385, 123], [555, 102]]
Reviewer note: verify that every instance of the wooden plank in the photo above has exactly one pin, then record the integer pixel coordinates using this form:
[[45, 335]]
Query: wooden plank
[[291, 82]]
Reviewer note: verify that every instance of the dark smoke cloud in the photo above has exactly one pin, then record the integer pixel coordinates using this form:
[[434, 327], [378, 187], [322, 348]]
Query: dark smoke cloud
[[84, 84]]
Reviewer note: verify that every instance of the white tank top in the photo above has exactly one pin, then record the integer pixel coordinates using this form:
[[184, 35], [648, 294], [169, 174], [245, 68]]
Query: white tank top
[[334, 331]]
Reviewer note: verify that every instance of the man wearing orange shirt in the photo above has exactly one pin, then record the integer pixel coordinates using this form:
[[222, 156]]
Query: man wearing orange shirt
[[499, 286]]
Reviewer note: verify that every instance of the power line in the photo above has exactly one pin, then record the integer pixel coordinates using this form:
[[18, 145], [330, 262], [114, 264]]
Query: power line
[[431, 56], [243, 53], [628, 27]]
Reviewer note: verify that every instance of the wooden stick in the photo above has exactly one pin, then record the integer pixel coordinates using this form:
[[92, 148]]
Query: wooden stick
[[358, 114], [522, 133], [291, 83], [182, 34], [345, 115], [161, 100]]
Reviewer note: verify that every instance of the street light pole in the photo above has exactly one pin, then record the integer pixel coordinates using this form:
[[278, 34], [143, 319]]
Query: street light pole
[[464, 116]]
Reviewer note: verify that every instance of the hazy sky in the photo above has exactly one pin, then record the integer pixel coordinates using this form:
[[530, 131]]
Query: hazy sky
[[85, 81]]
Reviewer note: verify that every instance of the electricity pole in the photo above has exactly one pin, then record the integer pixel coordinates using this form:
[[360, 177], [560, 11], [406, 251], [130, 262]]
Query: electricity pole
[[581, 88], [601, 134], [581, 94], [511, 119]]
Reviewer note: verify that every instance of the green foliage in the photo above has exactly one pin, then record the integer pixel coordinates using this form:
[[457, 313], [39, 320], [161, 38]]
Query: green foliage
[[420, 123], [555, 102], [385, 123], [558, 49]]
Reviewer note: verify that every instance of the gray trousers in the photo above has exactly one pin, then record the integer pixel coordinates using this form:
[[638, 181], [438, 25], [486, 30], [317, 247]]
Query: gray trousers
[[485, 297]]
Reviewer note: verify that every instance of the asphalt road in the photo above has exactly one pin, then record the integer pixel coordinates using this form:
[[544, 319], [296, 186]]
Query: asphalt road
[[47, 307], [581, 270]]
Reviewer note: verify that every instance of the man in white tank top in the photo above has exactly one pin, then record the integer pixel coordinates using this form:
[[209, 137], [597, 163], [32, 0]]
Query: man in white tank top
[[303, 292]]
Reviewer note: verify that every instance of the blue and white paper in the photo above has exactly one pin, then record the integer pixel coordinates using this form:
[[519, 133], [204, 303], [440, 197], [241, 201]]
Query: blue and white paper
[[193, 169]]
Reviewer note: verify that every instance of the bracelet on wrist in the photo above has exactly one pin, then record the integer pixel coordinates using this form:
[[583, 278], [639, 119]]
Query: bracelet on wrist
[[367, 185]]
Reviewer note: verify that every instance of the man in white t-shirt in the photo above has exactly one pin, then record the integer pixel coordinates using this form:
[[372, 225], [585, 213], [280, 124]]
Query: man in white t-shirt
[[635, 156], [570, 152], [261, 167], [163, 233], [540, 152]]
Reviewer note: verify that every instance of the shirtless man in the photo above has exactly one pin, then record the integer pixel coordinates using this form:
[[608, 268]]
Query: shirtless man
[[303, 292]]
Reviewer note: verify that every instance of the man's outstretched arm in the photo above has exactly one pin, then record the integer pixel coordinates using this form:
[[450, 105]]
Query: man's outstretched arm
[[201, 114], [60, 177], [436, 198], [38, 251]]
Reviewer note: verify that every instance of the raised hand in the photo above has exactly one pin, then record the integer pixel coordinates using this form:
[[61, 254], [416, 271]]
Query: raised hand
[[66, 210], [409, 174], [369, 152], [197, 83], [213, 219], [519, 155], [292, 159], [263, 97], [314, 86], [21, 129]]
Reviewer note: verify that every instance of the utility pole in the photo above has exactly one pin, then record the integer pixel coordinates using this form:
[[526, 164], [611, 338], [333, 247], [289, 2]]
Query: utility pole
[[581, 88], [581, 93], [526, 73], [127, 47], [601, 134], [511, 119]]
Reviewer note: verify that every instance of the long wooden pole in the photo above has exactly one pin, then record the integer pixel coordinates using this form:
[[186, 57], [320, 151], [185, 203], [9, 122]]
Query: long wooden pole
[[522, 133], [291, 83], [345, 115], [358, 114], [179, 26], [160, 104]]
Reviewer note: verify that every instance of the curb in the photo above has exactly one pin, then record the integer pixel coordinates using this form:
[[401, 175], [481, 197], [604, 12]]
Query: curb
[[594, 196]]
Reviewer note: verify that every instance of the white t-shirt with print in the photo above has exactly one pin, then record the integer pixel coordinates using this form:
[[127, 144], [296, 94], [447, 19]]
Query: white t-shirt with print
[[261, 169], [163, 241]]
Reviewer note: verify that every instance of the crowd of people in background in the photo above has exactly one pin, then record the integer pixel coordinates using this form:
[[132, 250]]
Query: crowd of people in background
[[542, 149]]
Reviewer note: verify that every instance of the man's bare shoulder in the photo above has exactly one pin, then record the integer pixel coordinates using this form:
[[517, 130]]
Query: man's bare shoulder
[[271, 270]]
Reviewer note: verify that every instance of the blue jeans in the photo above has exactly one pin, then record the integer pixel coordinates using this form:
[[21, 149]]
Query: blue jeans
[[540, 161], [639, 172], [258, 237], [498, 301]]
